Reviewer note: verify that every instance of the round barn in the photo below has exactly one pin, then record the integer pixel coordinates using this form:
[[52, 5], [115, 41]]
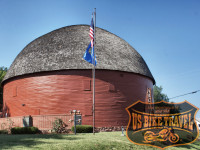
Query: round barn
[[49, 76]]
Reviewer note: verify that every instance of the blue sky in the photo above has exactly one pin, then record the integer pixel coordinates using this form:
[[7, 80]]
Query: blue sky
[[165, 33]]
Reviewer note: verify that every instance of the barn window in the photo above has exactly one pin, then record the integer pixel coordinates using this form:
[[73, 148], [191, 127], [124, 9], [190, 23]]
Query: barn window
[[15, 91], [87, 85]]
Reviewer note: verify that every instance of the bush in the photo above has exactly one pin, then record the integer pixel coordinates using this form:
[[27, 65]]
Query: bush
[[83, 129], [24, 130], [3, 132], [59, 126]]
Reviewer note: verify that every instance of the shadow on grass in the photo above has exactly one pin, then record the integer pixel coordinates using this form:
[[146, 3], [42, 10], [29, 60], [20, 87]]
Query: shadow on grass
[[28, 140]]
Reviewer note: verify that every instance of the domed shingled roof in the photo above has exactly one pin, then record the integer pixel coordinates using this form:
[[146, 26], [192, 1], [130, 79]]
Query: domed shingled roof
[[64, 48]]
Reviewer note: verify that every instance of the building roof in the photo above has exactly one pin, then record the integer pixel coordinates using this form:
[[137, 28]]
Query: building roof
[[64, 48]]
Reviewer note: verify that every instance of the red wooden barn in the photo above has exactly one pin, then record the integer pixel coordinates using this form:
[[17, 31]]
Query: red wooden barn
[[49, 76]]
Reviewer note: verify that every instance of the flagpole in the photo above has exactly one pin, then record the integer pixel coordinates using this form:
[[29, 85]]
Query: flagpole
[[94, 72]]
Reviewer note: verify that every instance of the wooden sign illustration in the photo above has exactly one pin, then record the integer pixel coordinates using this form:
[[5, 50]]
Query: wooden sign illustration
[[162, 124]]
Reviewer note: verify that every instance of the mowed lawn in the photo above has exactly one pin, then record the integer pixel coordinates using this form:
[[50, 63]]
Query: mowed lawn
[[99, 141]]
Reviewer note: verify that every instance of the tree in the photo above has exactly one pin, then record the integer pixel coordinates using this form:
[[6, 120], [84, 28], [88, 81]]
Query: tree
[[3, 71], [158, 95]]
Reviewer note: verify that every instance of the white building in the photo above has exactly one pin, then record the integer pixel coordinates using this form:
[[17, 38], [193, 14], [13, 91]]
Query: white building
[[198, 123]]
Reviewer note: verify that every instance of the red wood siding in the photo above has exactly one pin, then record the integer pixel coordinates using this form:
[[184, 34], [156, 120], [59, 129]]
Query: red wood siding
[[62, 91]]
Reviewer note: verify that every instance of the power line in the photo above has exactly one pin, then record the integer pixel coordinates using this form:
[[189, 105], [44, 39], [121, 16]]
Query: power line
[[185, 94]]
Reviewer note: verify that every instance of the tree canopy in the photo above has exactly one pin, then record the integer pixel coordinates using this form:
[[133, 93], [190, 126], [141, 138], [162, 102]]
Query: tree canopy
[[158, 95], [3, 71]]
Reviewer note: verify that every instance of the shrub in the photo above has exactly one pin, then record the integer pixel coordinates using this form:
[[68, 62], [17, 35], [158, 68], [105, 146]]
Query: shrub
[[83, 129], [59, 126], [3, 131], [24, 130]]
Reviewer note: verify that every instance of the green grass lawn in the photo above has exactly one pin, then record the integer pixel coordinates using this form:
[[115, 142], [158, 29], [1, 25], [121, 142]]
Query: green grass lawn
[[103, 140]]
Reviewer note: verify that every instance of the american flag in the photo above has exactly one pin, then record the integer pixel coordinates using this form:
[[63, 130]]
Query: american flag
[[92, 33], [90, 56]]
